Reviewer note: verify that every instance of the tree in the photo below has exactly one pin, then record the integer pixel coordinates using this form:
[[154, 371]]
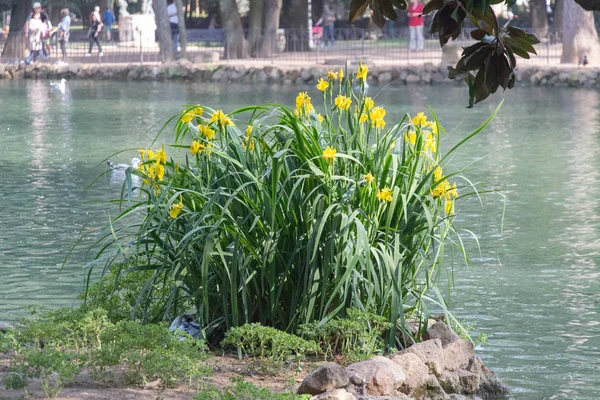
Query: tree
[[163, 28], [15, 47], [538, 16], [255, 24], [236, 45], [181, 25], [271, 24], [579, 36]]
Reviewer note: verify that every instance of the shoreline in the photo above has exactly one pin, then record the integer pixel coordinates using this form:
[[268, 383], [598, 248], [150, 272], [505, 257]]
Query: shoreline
[[184, 70]]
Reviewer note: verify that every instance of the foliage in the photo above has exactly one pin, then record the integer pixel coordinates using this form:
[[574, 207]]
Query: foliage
[[55, 346], [263, 341], [292, 217], [240, 390], [493, 56], [356, 337]]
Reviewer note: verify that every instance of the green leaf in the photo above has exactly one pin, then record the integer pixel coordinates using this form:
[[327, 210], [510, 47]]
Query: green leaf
[[357, 8], [433, 5]]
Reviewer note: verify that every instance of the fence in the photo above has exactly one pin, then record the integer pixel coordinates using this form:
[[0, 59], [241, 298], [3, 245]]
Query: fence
[[288, 46]]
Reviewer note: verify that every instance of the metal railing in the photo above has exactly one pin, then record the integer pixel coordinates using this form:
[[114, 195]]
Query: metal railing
[[287, 46]]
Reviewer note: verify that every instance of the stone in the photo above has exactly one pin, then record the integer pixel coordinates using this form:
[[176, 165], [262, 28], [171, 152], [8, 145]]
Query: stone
[[324, 378], [426, 77], [383, 377], [429, 353], [403, 75], [441, 331], [411, 78], [456, 355], [437, 77], [491, 387], [306, 75], [218, 75], [336, 394], [385, 78], [431, 390], [416, 371]]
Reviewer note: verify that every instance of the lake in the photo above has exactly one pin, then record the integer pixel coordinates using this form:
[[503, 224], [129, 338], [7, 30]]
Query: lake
[[534, 286]]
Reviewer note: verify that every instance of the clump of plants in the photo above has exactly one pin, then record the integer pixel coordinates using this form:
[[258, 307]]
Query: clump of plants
[[240, 390], [289, 217], [55, 347]]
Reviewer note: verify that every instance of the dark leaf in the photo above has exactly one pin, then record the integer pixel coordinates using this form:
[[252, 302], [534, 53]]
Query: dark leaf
[[400, 4], [388, 9], [516, 48], [511, 57], [447, 26], [532, 39], [470, 81], [516, 32], [504, 72], [493, 67], [522, 43], [467, 51], [377, 13], [481, 91], [434, 23], [478, 34], [357, 8], [489, 17], [510, 3], [512, 80], [476, 60], [433, 5]]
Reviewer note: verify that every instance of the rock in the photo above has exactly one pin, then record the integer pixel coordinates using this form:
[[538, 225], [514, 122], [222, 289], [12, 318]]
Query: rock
[[461, 382], [437, 77], [429, 353], [457, 355], [491, 387], [219, 75], [324, 378], [305, 75], [385, 78], [431, 390], [441, 331], [411, 78], [426, 77], [336, 394], [416, 371], [403, 75], [383, 377]]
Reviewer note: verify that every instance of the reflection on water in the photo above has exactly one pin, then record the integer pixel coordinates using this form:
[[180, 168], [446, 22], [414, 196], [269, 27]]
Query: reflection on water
[[535, 284]]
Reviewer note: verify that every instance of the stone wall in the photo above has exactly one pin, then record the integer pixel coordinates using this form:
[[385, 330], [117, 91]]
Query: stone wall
[[381, 75]]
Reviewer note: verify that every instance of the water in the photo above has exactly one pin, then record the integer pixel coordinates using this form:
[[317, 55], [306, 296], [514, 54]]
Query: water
[[534, 287]]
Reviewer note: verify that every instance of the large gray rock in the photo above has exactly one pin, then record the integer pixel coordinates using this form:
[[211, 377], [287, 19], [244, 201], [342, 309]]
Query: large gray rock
[[457, 355], [416, 371], [491, 387], [382, 376], [385, 78], [324, 378], [429, 352], [441, 331], [431, 390], [336, 394]]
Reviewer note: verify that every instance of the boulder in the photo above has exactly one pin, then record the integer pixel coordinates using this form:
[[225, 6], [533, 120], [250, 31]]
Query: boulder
[[441, 331], [324, 378], [429, 353], [306, 75], [491, 387], [336, 394], [431, 390], [385, 78], [416, 371], [411, 78], [219, 75], [382, 376], [461, 382], [456, 355]]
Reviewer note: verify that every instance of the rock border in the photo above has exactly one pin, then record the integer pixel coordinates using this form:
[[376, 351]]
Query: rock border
[[424, 74], [444, 367]]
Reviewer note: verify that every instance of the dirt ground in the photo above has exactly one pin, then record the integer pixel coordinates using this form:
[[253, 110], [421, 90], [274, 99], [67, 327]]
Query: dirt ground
[[277, 378]]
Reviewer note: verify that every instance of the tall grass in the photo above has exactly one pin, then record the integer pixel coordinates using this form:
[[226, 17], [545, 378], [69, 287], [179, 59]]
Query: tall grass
[[285, 216]]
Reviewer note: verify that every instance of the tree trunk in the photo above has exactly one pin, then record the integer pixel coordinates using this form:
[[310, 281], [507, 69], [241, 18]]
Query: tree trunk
[[255, 25], [163, 28], [297, 39], [182, 32], [558, 17], [236, 45], [538, 17], [272, 13], [15, 47], [579, 36]]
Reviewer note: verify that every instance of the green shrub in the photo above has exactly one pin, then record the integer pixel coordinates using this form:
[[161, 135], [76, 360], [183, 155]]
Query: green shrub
[[263, 341], [240, 390], [288, 217]]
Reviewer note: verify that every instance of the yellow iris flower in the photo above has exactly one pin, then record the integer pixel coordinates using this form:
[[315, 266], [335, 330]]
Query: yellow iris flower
[[197, 147], [410, 137], [322, 85], [332, 76], [221, 118], [161, 155], [342, 102], [362, 72], [420, 119], [437, 174], [176, 209], [369, 103], [369, 178], [376, 116], [160, 171], [341, 74], [329, 153], [207, 131], [385, 194]]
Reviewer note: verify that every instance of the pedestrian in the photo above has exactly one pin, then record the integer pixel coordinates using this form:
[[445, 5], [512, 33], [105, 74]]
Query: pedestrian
[[328, 21], [94, 32], [43, 18], [63, 30], [34, 38], [174, 22], [108, 19], [415, 25]]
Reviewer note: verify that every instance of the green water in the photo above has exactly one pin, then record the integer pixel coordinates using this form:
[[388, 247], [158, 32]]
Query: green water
[[534, 288]]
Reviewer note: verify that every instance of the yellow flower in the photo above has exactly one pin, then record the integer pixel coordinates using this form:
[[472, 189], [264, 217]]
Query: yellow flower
[[437, 174], [449, 207], [143, 154], [188, 116], [433, 126], [303, 104], [176, 209], [329, 153], [160, 171], [385, 194], [410, 137], [197, 147], [430, 143], [151, 172], [369, 178], [320, 117], [369, 103], [453, 192], [342, 102], [441, 189], [249, 130], [207, 131], [392, 145], [363, 118], [198, 110], [150, 154], [222, 118], [332, 76], [161, 156], [322, 85], [420, 119], [247, 142], [376, 116], [362, 72], [341, 74]]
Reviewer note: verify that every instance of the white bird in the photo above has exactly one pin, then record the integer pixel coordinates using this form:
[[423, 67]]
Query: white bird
[[119, 171], [62, 85]]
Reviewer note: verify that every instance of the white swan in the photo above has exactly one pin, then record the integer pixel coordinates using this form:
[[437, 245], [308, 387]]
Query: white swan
[[119, 171], [119, 167], [62, 85]]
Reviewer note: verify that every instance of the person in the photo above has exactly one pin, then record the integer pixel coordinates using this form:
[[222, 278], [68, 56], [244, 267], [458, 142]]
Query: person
[[94, 32], [34, 37], [108, 19], [174, 22], [327, 20], [415, 25], [64, 32], [43, 17]]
